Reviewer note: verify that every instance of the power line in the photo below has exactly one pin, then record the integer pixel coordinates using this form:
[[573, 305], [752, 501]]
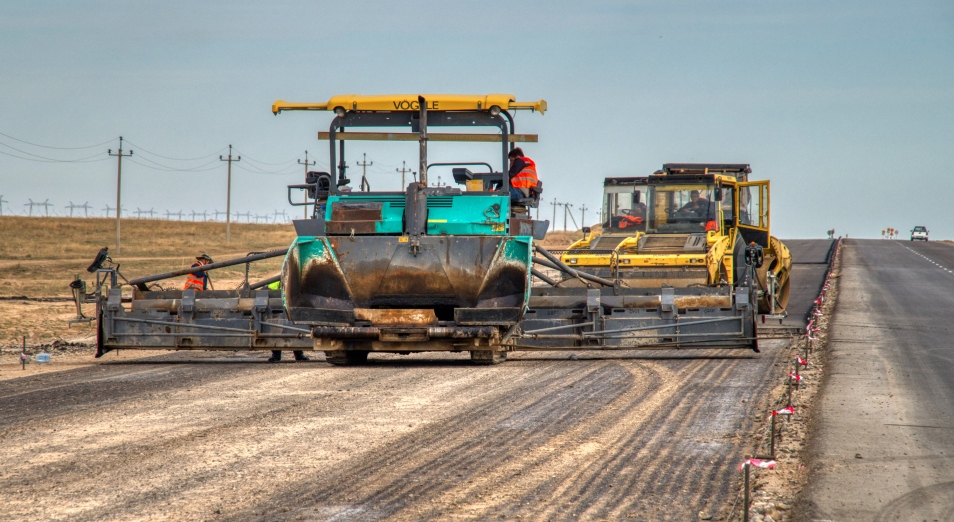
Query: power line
[[253, 160], [197, 168], [57, 148], [44, 159], [259, 170], [141, 150]]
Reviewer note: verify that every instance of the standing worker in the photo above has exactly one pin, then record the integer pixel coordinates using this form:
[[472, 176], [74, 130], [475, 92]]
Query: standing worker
[[199, 280], [523, 174], [277, 354]]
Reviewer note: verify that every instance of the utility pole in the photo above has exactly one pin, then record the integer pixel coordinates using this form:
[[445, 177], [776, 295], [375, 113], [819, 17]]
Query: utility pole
[[583, 215], [554, 212], [107, 210], [228, 196], [31, 204], [364, 170], [46, 206], [403, 171], [306, 164], [573, 219], [566, 209], [2, 201], [119, 183]]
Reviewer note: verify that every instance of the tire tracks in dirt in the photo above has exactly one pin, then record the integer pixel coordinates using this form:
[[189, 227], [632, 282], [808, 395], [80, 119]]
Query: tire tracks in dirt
[[597, 438]]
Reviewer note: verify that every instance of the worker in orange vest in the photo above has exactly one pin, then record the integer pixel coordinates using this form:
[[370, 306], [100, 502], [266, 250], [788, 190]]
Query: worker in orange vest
[[199, 280], [523, 174]]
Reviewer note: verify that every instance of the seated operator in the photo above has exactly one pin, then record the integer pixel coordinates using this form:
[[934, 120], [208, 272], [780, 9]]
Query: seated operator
[[634, 217], [523, 174], [697, 205]]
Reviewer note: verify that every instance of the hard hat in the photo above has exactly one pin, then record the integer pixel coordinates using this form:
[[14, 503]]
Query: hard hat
[[205, 256]]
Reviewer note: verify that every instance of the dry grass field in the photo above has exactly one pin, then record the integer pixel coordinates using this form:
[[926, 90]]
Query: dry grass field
[[40, 256]]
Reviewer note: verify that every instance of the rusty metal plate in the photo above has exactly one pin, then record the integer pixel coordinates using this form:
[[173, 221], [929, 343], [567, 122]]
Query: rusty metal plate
[[404, 335], [703, 301], [351, 211], [354, 218], [389, 317]]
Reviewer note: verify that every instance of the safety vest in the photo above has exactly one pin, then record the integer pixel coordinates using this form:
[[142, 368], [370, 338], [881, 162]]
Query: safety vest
[[527, 177], [630, 221], [195, 280]]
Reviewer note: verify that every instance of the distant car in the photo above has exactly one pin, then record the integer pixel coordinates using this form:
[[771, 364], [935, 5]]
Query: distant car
[[919, 233]]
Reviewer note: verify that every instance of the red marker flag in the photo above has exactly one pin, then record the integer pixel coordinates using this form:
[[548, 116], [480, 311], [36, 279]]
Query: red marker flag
[[795, 377], [788, 410], [758, 463]]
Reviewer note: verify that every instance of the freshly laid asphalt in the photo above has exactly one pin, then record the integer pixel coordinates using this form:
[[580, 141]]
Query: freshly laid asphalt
[[883, 447], [809, 265]]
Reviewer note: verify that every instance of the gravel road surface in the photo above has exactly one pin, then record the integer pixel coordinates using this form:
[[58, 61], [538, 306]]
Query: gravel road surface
[[203, 436], [884, 443]]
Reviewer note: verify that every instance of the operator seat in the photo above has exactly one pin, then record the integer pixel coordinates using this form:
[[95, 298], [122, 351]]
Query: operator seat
[[533, 201]]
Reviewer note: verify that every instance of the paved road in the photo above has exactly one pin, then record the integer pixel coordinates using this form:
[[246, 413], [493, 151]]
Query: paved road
[[628, 435], [809, 265], [884, 444]]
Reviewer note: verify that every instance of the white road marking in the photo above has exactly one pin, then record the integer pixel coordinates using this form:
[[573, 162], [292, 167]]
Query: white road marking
[[935, 263]]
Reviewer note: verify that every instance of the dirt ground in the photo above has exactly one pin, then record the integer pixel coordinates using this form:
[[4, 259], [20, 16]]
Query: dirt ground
[[207, 436]]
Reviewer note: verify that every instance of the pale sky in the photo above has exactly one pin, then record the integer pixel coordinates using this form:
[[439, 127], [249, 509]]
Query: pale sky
[[847, 107]]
